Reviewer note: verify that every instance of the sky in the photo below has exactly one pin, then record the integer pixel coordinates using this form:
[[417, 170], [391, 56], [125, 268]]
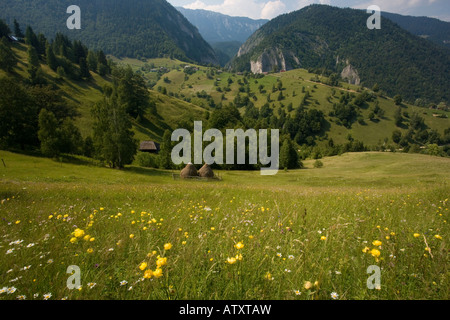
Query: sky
[[268, 9]]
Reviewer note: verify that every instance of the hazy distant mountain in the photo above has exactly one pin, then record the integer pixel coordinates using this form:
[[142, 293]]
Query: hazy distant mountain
[[132, 28], [429, 28], [338, 39], [217, 27]]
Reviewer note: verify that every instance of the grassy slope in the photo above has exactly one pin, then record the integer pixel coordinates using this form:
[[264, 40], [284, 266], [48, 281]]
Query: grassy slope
[[371, 132], [352, 201], [171, 110], [85, 93]]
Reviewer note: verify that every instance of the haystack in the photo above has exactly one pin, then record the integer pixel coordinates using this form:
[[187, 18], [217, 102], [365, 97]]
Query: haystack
[[206, 171], [189, 171]]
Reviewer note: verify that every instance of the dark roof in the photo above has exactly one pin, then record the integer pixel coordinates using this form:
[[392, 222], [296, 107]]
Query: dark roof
[[149, 146]]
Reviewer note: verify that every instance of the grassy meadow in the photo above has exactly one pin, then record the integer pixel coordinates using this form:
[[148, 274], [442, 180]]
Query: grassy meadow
[[300, 235]]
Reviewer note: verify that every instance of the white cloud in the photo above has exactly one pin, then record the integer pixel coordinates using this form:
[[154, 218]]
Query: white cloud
[[273, 9], [397, 6], [244, 8], [268, 9]]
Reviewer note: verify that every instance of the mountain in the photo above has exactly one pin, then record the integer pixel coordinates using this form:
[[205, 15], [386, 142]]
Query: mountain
[[216, 27], [132, 28], [432, 29], [338, 39], [226, 50]]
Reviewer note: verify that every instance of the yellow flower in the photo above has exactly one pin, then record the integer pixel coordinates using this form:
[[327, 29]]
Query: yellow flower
[[131, 236], [387, 237], [376, 243], [161, 261], [18, 221], [231, 260], [365, 250], [73, 240], [148, 274], [438, 237], [90, 250], [268, 276], [143, 266], [158, 273], [212, 228], [316, 284], [87, 237], [78, 233], [183, 243], [167, 246], [416, 235], [308, 285], [50, 216], [376, 253], [239, 245], [92, 239], [239, 257], [323, 238]]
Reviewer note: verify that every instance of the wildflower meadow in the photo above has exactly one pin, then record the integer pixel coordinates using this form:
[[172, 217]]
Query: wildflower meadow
[[300, 235]]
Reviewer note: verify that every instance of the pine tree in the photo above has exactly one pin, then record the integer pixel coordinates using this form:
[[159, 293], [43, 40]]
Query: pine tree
[[92, 61], [398, 117], [4, 29], [18, 114], [8, 59], [51, 58], [33, 58], [289, 158], [84, 69], [31, 38], [165, 154], [48, 134], [17, 32]]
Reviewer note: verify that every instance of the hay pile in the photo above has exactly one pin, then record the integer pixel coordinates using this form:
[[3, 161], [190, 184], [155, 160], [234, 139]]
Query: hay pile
[[206, 172], [189, 171]]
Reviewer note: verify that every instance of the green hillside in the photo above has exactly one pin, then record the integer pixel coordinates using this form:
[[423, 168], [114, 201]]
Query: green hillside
[[83, 94], [136, 28], [321, 36], [208, 87], [182, 93]]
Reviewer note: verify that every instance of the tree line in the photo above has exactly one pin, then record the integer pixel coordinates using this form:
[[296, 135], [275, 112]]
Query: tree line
[[36, 116]]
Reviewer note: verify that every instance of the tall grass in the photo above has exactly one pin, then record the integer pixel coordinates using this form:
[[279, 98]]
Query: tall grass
[[290, 232]]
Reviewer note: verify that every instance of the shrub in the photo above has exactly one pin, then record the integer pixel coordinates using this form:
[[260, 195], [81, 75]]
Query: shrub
[[318, 164], [146, 160]]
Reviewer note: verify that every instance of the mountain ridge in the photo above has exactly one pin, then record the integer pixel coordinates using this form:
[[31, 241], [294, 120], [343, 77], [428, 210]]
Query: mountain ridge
[[217, 27], [155, 30], [328, 37]]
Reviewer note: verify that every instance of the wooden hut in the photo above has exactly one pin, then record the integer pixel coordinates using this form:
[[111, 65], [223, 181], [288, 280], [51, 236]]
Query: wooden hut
[[149, 146]]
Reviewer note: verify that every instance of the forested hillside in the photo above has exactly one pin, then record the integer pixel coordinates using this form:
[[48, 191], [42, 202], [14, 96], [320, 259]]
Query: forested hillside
[[338, 40], [134, 28]]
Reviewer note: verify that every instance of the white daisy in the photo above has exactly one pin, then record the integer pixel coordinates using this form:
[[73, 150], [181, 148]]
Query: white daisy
[[11, 290], [334, 295], [47, 296]]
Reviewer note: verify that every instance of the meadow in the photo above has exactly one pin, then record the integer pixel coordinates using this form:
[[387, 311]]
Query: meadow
[[300, 235]]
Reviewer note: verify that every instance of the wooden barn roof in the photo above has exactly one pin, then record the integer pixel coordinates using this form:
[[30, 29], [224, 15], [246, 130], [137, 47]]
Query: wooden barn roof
[[149, 146]]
